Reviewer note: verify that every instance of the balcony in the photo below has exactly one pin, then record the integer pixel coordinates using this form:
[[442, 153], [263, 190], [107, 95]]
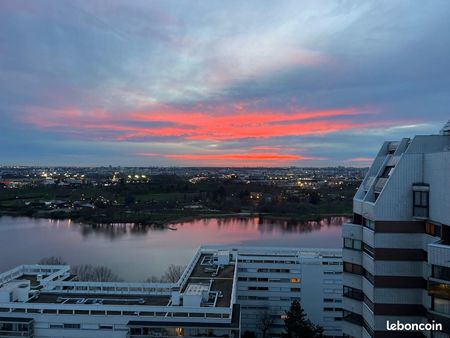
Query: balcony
[[439, 289], [439, 254], [351, 230], [369, 183], [352, 280], [381, 182], [352, 256], [352, 305]]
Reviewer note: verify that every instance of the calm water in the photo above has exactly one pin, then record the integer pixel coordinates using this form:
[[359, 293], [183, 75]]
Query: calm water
[[136, 252]]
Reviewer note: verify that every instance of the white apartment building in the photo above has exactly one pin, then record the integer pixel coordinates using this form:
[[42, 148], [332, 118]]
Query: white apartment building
[[42, 301], [270, 279], [397, 250]]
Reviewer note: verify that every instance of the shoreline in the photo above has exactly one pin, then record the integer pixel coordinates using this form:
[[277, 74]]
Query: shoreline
[[184, 219]]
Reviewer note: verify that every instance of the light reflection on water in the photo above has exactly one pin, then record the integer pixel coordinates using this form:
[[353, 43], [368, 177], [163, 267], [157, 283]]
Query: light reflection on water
[[136, 251]]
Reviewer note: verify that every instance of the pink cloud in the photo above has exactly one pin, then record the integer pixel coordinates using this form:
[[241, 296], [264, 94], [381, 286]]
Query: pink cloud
[[237, 159], [219, 123], [361, 159]]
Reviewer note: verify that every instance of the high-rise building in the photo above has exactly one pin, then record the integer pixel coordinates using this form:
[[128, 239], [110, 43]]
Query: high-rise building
[[397, 249]]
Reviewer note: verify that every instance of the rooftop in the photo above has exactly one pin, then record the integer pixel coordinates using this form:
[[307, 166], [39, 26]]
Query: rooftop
[[105, 299], [204, 276]]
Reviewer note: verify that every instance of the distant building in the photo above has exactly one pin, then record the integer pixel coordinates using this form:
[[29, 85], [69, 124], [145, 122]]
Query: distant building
[[223, 292], [397, 250], [268, 280]]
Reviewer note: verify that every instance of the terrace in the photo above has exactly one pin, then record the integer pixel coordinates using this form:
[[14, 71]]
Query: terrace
[[52, 290]]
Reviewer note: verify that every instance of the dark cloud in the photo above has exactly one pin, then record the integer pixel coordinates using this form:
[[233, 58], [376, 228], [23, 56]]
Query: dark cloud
[[389, 61]]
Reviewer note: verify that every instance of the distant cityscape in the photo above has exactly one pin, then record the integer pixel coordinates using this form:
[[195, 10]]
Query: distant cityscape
[[21, 176], [159, 195]]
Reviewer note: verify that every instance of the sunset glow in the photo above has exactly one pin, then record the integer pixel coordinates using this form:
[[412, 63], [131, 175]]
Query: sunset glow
[[292, 83]]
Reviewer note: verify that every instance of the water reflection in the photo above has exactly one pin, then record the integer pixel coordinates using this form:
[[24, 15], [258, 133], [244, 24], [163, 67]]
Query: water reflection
[[262, 225], [137, 251]]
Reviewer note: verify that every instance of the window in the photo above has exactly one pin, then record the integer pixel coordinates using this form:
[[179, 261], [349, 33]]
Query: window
[[369, 303], [72, 326], [369, 224], [369, 276], [352, 317], [353, 244], [433, 229], [295, 280], [441, 272], [387, 171], [353, 268], [368, 250], [357, 219], [258, 288], [105, 327], [421, 204], [353, 293]]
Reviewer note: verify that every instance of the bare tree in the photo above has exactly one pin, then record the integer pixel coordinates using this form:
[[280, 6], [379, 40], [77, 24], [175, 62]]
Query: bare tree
[[52, 260], [173, 273], [88, 272], [266, 322]]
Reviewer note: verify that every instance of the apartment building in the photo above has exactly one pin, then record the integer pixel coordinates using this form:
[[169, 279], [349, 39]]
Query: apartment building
[[224, 292], [270, 279], [396, 251]]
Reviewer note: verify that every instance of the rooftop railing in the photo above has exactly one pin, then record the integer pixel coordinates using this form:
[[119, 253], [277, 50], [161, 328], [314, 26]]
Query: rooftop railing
[[120, 288], [165, 313]]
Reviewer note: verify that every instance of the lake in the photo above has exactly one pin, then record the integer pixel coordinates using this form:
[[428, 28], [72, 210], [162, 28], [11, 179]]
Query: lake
[[135, 252]]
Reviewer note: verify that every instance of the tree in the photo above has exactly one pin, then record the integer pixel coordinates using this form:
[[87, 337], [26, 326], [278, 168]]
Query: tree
[[90, 273], [314, 197], [298, 325], [52, 260], [130, 200], [173, 273], [266, 321]]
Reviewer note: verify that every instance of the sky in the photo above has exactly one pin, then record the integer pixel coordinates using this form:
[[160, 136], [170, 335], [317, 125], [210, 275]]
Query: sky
[[219, 83]]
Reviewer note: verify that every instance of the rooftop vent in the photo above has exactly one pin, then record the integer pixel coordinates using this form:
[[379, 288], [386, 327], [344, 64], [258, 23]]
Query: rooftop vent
[[446, 129]]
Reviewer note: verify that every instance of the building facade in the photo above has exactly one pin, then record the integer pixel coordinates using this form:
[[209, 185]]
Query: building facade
[[268, 280], [396, 251], [223, 292]]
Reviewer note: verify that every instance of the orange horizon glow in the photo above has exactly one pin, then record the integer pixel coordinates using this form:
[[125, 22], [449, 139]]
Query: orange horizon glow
[[222, 124], [234, 156], [199, 126], [238, 159], [361, 159]]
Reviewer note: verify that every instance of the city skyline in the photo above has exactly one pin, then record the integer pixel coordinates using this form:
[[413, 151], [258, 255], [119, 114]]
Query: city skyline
[[302, 84]]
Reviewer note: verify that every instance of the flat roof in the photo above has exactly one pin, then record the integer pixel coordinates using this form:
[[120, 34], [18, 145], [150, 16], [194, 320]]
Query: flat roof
[[217, 279], [106, 299], [221, 279]]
